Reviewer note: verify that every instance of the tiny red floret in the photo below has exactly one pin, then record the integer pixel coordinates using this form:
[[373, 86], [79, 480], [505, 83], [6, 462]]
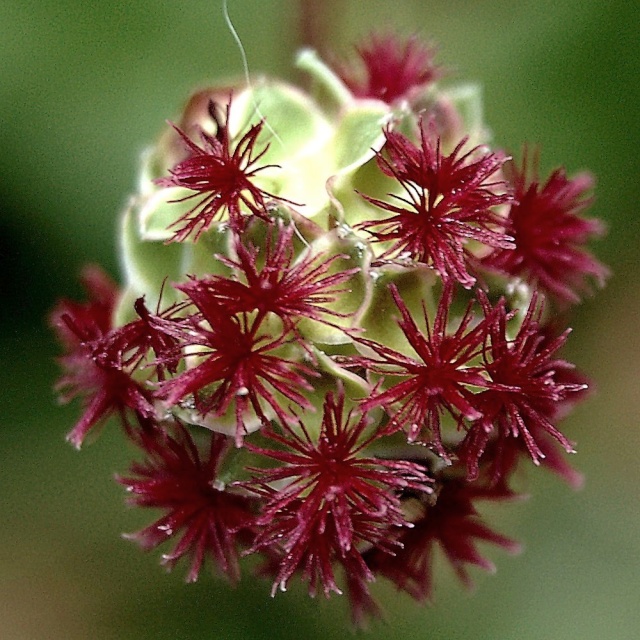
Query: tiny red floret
[[449, 201], [204, 517], [93, 317], [435, 382], [527, 383], [331, 500], [550, 235], [450, 520], [287, 288], [220, 173], [92, 363], [391, 68], [240, 365]]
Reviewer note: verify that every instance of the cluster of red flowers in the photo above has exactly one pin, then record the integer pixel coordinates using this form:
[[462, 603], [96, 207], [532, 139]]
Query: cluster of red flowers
[[219, 390]]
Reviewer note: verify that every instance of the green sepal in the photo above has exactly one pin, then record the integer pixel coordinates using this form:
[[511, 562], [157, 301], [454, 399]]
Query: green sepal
[[294, 126], [161, 209], [124, 311], [351, 253], [347, 191], [417, 288], [328, 86], [147, 265], [331, 373], [359, 134], [200, 259]]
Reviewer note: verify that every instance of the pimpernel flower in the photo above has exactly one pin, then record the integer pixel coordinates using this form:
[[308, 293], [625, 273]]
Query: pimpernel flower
[[291, 290], [240, 365], [338, 329], [76, 322]]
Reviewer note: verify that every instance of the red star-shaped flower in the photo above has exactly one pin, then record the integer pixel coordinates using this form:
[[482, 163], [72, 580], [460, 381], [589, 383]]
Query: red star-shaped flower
[[287, 288], [449, 201], [437, 380], [391, 68], [92, 364], [527, 384], [221, 174], [454, 524], [328, 500], [550, 235], [177, 477], [240, 365]]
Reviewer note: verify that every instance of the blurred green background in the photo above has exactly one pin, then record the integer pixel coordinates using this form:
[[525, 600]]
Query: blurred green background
[[83, 87]]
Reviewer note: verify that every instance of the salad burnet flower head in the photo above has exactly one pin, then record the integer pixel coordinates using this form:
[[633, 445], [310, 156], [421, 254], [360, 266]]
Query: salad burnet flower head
[[339, 327]]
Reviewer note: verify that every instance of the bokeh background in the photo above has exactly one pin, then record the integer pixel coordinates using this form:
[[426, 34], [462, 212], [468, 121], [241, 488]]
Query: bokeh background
[[83, 87]]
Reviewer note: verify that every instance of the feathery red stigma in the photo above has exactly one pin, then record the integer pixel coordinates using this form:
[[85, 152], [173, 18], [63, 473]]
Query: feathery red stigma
[[448, 202], [221, 174]]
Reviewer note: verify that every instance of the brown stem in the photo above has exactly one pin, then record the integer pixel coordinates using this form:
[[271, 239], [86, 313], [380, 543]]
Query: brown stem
[[316, 21]]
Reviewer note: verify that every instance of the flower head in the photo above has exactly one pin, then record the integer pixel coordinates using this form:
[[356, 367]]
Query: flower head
[[373, 395], [448, 201], [220, 174], [549, 234]]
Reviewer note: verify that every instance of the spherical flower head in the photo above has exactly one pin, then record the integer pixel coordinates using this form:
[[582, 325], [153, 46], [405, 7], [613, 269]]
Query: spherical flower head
[[339, 327]]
